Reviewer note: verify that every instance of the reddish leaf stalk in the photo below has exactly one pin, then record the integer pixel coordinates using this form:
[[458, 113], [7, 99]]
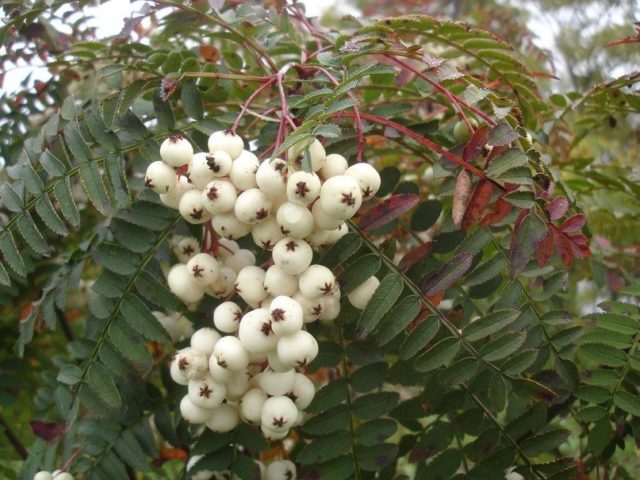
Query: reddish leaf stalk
[[249, 101]]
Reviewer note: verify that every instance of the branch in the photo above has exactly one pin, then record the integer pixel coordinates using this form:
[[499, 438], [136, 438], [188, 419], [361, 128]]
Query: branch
[[13, 438]]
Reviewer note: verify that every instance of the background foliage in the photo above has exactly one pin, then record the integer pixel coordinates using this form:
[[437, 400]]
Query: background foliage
[[477, 354]]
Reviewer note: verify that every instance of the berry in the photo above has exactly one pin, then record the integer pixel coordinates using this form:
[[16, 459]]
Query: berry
[[192, 363], [226, 317], [226, 248], [240, 259], [206, 393], [275, 364], [266, 303], [286, 315], [177, 375], [280, 470], [331, 308], [243, 171], [219, 163], [341, 197], [160, 177], [252, 206], [279, 413], [271, 434], [324, 220], [219, 196], [312, 308], [186, 249], [368, 179], [461, 131], [204, 340], [363, 293], [43, 475], [218, 373], [172, 198], [200, 474], [316, 154], [255, 331], [192, 209], [337, 234], [251, 405], [237, 386], [318, 238], [266, 233], [224, 285], [62, 476], [297, 350], [303, 188], [277, 383], [182, 284], [277, 282], [302, 392], [271, 177], [229, 143], [228, 226], [249, 284], [198, 171], [293, 256], [333, 166], [230, 354], [192, 413], [294, 220], [176, 151], [203, 268], [223, 418], [316, 281]]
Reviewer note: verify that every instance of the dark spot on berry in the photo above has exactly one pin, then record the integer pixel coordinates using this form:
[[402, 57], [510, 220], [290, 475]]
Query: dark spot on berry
[[222, 363], [326, 288], [317, 309], [212, 193], [237, 288], [292, 396], [278, 422], [367, 192], [175, 138], [148, 182], [197, 271], [237, 316], [265, 328], [284, 230], [211, 161], [262, 214], [349, 199], [302, 189], [196, 213], [277, 314], [266, 244], [288, 475], [291, 246], [302, 363], [188, 250], [205, 391], [183, 363], [187, 175]]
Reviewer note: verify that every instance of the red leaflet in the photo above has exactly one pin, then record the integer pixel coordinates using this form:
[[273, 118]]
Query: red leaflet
[[414, 256], [479, 201], [388, 210], [544, 248], [557, 208], [573, 224], [47, 431], [565, 249], [500, 210], [474, 146]]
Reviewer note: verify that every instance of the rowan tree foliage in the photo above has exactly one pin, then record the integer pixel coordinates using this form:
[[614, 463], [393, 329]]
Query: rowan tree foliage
[[478, 355]]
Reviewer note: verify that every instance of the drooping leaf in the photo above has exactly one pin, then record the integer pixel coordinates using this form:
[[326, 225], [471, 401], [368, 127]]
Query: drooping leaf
[[382, 300], [388, 210], [448, 274]]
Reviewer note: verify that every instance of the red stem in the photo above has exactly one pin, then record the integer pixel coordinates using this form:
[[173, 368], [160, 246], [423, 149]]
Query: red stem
[[249, 101], [71, 458]]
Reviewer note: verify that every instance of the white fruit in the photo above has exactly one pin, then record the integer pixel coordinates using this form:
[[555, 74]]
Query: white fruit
[[227, 142], [286, 315], [198, 171], [226, 317], [160, 177], [293, 256], [237, 386], [271, 434], [337, 234], [317, 280], [279, 413], [297, 350], [172, 198], [204, 340], [280, 470], [271, 177], [368, 178], [240, 259], [186, 248], [317, 154], [266, 303], [182, 284], [192, 413], [294, 220], [226, 248], [192, 363], [275, 364], [224, 285], [312, 308], [363, 293], [303, 391], [43, 475], [341, 197], [277, 383], [170, 325], [228, 226], [218, 373], [334, 165], [219, 163], [206, 393], [266, 233], [230, 354], [513, 476], [200, 474], [243, 171], [324, 220], [255, 332], [331, 308], [176, 151], [277, 282], [251, 405], [63, 476], [204, 269], [250, 284], [303, 188], [318, 238], [177, 375], [219, 196], [223, 418], [192, 209], [252, 206]]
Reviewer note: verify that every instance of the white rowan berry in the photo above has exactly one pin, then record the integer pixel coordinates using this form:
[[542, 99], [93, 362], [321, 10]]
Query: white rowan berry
[[312, 308], [63, 476], [513, 476], [297, 350], [237, 386], [250, 284], [275, 364], [226, 317], [185, 325], [317, 280], [271, 177], [228, 226], [294, 220], [266, 233], [224, 285], [230, 354], [277, 282], [203, 268], [277, 383], [271, 434], [219, 163], [337, 234], [226, 248], [279, 413], [160, 177], [169, 324], [243, 171], [363, 293], [192, 363], [43, 475], [252, 206], [334, 165], [182, 284], [176, 151], [300, 419], [227, 142], [192, 413], [240, 259], [255, 331], [172, 198], [219, 196], [281, 470], [218, 373], [324, 220], [368, 178], [331, 308], [223, 418], [186, 249], [177, 375], [251, 405], [341, 197], [266, 303], [198, 171], [286, 315], [205, 339], [200, 474], [317, 238], [292, 255], [192, 209], [316, 154], [303, 188], [302, 392], [206, 393]]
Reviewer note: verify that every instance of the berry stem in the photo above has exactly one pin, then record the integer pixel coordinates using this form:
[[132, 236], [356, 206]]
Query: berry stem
[[283, 100], [248, 102], [71, 458]]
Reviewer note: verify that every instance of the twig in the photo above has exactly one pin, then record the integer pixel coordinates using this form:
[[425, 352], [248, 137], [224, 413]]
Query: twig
[[66, 326], [248, 102], [13, 438]]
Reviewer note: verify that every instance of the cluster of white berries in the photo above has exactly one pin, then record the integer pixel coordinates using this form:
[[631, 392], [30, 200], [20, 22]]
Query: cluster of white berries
[[249, 374], [56, 475], [275, 470]]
